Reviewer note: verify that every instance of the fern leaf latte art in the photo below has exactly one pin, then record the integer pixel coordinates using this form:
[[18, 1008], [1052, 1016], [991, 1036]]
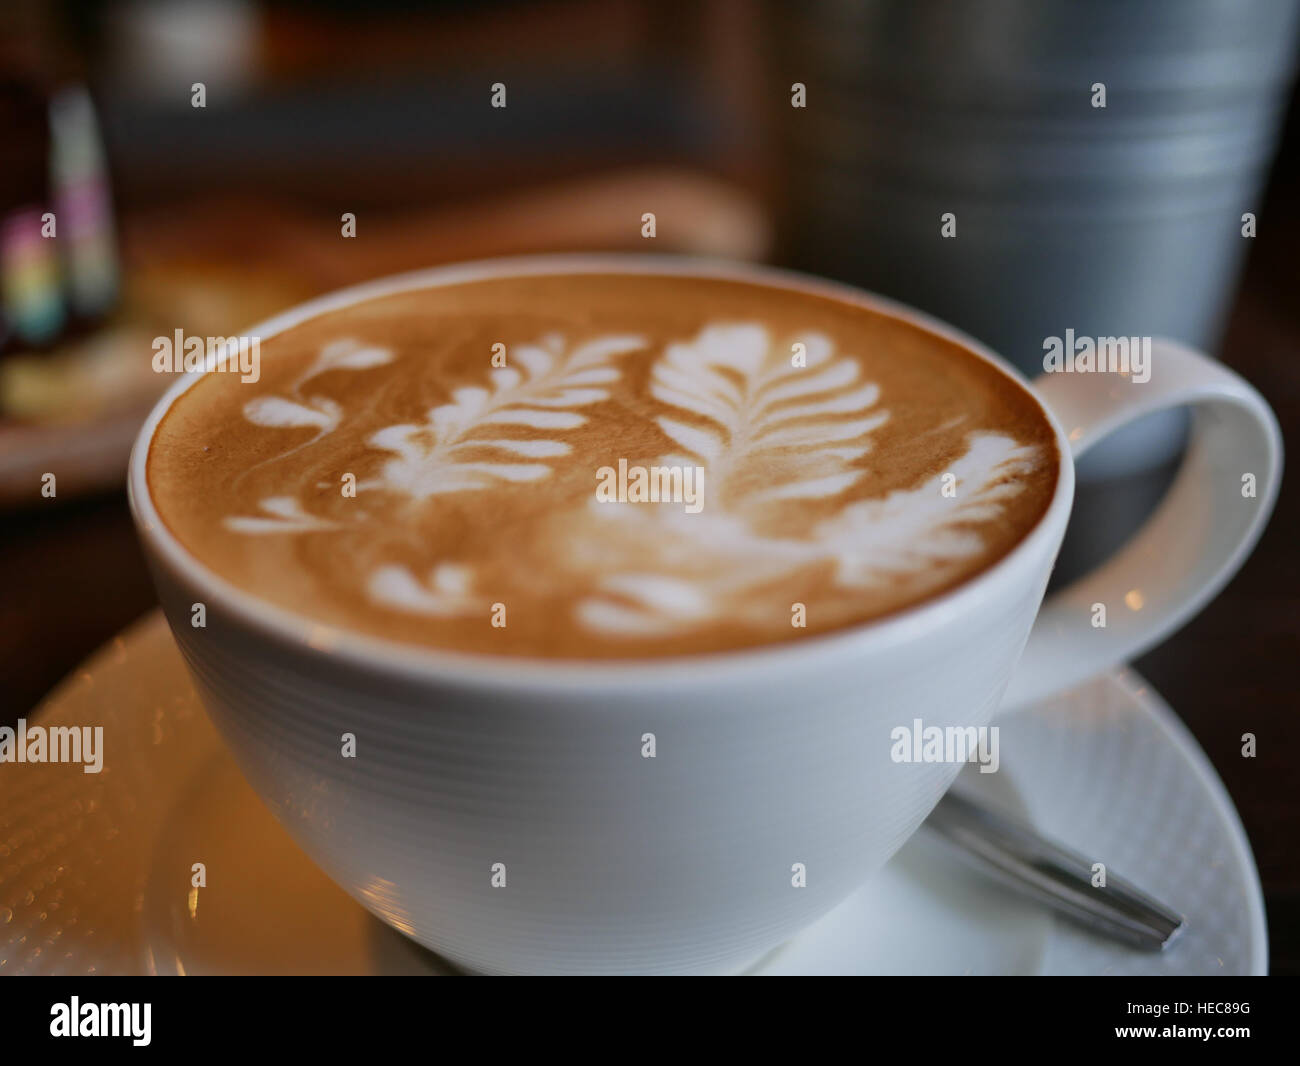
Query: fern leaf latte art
[[427, 466]]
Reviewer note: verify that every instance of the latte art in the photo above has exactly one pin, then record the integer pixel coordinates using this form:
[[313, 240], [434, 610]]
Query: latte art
[[603, 466]]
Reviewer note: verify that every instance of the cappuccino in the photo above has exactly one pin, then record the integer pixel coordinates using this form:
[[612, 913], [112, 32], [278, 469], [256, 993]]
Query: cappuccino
[[603, 466]]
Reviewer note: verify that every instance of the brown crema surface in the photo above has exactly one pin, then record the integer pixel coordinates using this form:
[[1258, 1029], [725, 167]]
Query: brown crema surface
[[823, 485]]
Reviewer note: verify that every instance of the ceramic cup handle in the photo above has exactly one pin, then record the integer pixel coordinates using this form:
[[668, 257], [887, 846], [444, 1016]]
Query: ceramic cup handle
[[1201, 533]]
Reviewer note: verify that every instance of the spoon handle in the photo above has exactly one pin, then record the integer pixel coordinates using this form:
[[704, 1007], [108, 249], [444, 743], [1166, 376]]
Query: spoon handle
[[1043, 870]]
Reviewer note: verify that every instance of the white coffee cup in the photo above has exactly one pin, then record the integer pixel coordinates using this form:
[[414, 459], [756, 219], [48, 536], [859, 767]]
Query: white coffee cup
[[503, 811]]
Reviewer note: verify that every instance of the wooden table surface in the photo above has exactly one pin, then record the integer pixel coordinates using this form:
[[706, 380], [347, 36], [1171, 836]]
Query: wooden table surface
[[72, 575]]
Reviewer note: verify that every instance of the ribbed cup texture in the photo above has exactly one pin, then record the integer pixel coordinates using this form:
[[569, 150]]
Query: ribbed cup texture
[[613, 862]]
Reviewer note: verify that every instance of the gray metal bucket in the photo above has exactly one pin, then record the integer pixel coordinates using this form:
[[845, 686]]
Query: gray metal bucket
[[1115, 221]]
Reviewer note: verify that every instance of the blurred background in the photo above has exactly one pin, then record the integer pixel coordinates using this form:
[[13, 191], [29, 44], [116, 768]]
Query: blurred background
[[185, 165]]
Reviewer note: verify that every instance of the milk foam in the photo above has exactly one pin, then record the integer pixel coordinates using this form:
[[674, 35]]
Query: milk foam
[[486, 498]]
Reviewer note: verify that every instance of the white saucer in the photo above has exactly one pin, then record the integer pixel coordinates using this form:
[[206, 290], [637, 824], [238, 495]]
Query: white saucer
[[95, 870]]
